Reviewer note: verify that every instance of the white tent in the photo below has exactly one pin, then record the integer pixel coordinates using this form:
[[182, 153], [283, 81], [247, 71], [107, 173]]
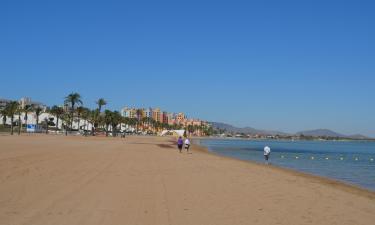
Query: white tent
[[173, 132]]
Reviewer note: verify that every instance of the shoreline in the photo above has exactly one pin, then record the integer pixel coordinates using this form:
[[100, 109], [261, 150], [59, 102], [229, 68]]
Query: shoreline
[[351, 188]]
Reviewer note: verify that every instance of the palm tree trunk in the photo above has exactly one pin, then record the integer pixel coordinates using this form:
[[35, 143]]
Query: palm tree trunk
[[79, 121], [4, 120], [106, 130], [19, 123], [37, 122], [11, 125], [72, 114], [25, 120], [57, 123]]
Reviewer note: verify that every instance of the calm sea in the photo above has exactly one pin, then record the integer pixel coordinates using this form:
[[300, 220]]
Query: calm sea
[[348, 161]]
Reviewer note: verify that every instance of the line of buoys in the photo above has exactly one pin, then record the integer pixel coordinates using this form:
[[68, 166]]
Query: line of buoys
[[327, 158]]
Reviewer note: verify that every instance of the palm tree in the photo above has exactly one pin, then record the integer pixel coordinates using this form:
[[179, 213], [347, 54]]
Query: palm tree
[[73, 99], [139, 113], [38, 110], [19, 111], [132, 122], [93, 118], [80, 110], [46, 120], [115, 121], [58, 112], [145, 121], [101, 102], [4, 113], [11, 109], [107, 121], [85, 116], [26, 110], [66, 117]]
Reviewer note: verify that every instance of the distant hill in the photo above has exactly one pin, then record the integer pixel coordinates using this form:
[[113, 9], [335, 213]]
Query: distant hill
[[313, 133], [330, 133], [245, 130], [358, 136], [320, 133]]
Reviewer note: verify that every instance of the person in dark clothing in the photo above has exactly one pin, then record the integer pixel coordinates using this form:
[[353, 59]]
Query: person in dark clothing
[[180, 143]]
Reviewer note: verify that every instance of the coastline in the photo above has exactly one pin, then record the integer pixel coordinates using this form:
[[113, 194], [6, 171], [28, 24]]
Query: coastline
[[351, 188]]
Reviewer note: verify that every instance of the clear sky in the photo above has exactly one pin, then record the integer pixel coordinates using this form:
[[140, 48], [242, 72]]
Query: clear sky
[[284, 65]]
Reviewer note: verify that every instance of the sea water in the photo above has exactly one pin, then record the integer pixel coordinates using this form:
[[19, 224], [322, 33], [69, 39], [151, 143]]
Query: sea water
[[351, 162]]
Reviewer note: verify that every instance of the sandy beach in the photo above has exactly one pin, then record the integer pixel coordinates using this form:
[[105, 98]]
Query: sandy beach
[[57, 180]]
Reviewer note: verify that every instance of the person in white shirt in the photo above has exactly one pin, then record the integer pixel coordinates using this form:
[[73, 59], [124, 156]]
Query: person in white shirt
[[187, 144], [267, 152]]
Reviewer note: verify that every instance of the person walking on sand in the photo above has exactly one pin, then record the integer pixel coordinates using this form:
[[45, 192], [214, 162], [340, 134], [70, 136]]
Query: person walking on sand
[[267, 152], [187, 144], [180, 143]]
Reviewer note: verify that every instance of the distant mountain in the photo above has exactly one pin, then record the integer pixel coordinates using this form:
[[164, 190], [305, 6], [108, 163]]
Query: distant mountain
[[313, 133], [245, 130], [330, 133], [320, 133], [358, 136]]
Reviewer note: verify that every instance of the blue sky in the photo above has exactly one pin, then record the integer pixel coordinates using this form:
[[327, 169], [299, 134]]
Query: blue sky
[[284, 65]]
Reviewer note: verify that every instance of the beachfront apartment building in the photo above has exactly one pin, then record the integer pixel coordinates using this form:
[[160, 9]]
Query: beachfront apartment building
[[148, 112], [157, 115], [164, 117], [129, 112]]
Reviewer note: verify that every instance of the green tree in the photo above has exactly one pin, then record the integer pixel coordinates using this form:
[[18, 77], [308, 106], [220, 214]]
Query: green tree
[[94, 119], [11, 110], [19, 111], [85, 116], [58, 112], [107, 121], [66, 118], [38, 110], [139, 113], [72, 100], [4, 113], [26, 110], [80, 110], [115, 121], [46, 121], [101, 102]]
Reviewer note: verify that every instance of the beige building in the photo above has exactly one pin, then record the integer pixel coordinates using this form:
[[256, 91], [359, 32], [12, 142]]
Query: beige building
[[157, 115]]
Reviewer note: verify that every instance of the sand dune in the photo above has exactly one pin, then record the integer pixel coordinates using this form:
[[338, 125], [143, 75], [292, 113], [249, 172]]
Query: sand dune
[[53, 180]]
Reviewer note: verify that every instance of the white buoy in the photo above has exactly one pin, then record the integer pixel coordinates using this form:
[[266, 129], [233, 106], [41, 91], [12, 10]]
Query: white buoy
[[341, 158], [371, 159], [282, 156], [327, 158], [297, 157], [356, 159], [312, 157]]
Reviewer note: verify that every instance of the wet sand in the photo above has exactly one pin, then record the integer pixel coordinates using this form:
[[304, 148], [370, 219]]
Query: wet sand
[[51, 180]]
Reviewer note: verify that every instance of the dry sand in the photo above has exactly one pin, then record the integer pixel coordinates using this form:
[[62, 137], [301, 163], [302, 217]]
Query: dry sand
[[51, 180]]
